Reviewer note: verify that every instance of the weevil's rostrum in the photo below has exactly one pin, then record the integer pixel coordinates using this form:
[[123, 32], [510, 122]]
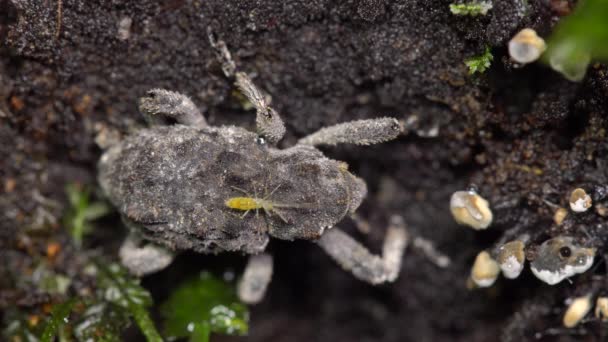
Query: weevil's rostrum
[[191, 186]]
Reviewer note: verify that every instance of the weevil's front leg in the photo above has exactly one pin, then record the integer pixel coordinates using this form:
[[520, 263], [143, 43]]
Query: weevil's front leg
[[255, 280], [360, 132], [160, 104], [222, 53], [269, 123], [357, 259], [146, 259]]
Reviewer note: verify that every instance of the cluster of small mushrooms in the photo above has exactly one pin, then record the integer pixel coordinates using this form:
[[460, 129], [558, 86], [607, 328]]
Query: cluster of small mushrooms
[[555, 259]]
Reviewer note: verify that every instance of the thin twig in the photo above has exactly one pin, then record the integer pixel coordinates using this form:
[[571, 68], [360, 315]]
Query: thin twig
[[59, 18]]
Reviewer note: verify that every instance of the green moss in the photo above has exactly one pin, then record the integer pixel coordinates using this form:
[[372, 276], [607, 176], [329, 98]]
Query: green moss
[[123, 290], [100, 321], [100, 316], [473, 8], [18, 327], [202, 306], [82, 211], [59, 317], [479, 64]]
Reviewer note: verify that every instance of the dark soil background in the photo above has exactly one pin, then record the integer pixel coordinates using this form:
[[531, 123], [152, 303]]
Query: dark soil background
[[524, 136]]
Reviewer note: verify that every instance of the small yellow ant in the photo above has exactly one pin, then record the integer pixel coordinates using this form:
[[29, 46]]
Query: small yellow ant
[[249, 203]]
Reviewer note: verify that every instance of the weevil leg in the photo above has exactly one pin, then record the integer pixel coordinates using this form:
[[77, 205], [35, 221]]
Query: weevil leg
[[427, 247], [222, 53], [258, 273], [146, 259], [158, 105], [360, 132], [269, 123], [358, 260]]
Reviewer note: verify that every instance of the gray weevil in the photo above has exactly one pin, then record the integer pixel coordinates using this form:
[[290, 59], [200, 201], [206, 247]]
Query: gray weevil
[[191, 186]]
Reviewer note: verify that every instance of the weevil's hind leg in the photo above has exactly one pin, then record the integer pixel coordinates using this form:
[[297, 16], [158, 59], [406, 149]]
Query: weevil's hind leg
[[360, 132], [159, 105], [258, 273], [357, 259], [145, 259], [269, 123]]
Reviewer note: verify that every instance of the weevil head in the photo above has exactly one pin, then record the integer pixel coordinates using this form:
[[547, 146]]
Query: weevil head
[[560, 258], [316, 192], [357, 189]]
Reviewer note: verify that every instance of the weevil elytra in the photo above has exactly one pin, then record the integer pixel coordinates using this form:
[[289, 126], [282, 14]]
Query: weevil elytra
[[174, 187]]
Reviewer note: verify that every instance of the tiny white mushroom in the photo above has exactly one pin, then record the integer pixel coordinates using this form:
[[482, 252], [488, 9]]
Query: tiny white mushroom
[[580, 201], [560, 216], [468, 208], [601, 308], [526, 46], [511, 258], [577, 310], [485, 270]]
